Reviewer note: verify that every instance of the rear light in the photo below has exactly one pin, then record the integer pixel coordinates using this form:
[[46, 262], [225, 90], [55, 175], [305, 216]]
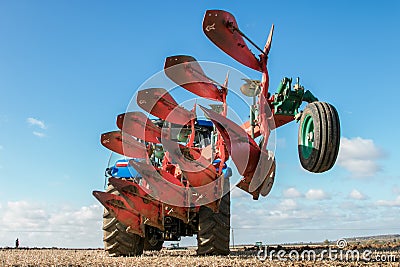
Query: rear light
[[121, 164]]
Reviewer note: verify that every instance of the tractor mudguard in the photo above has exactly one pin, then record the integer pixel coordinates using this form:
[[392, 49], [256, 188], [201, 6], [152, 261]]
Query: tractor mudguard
[[122, 169], [124, 144], [137, 124], [186, 72], [158, 102], [221, 28]]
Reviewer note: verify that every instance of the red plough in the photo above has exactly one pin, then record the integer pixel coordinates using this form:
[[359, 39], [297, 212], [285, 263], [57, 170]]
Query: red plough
[[121, 210], [158, 102], [137, 124], [124, 145], [178, 174]]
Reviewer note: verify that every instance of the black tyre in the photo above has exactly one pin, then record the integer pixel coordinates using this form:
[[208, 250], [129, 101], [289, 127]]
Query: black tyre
[[319, 137], [153, 240], [214, 229], [118, 242]]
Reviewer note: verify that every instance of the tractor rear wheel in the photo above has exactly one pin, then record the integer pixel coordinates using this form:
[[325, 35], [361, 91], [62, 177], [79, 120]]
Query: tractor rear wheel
[[214, 229], [118, 242], [318, 137]]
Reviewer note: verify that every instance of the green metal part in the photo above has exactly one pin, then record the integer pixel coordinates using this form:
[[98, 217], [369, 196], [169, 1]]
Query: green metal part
[[288, 101], [307, 136], [309, 97], [253, 116], [183, 135], [159, 151]]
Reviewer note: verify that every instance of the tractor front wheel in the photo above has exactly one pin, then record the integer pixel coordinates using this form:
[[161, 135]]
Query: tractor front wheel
[[318, 137]]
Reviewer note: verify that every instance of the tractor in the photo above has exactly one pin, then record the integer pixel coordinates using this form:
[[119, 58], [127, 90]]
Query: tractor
[[173, 178]]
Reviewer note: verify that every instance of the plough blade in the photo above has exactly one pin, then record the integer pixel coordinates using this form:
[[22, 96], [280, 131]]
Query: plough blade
[[130, 188], [197, 169], [124, 144], [221, 28], [269, 181], [148, 170], [262, 171], [187, 73], [278, 121], [120, 209], [243, 149], [137, 124], [164, 186], [248, 129], [256, 165], [200, 173], [158, 102], [267, 46], [147, 208], [124, 186], [177, 212], [260, 183]]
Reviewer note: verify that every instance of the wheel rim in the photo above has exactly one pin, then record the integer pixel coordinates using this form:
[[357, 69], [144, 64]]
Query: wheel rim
[[307, 136]]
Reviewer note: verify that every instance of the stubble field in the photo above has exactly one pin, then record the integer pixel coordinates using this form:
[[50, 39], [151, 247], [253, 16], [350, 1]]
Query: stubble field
[[70, 257]]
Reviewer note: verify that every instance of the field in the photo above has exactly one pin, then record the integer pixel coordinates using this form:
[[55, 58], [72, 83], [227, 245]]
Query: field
[[97, 257]]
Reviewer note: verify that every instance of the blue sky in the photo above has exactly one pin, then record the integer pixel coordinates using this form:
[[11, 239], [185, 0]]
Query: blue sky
[[67, 68]]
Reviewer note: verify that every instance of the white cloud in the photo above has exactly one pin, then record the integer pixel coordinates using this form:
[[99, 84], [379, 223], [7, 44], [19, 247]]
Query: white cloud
[[288, 204], [36, 122], [390, 203], [40, 124], [359, 156], [38, 134], [291, 193], [355, 194], [239, 193], [41, 226], [396, 190], [23, 215], [324, 216], [316, 194]]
